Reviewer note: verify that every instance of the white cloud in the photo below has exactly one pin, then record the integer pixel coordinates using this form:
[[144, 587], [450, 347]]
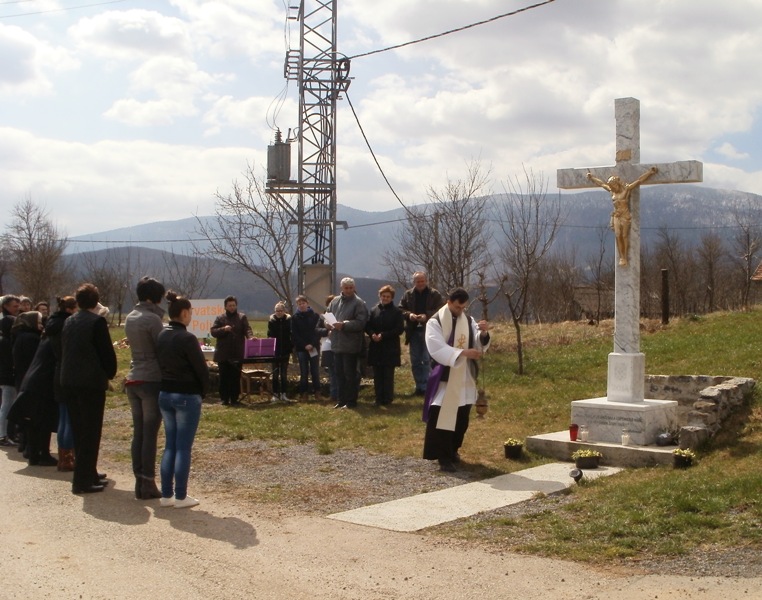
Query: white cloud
[[535, 90], [728, 150], [28, 62], [109, 184], [131, 35]]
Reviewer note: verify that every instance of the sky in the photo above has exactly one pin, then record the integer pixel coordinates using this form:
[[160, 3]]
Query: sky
[[126, 112]]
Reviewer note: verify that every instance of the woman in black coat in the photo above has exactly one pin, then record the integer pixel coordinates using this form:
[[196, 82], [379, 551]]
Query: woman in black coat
[[35, 410], [385, 326], [25, 334]]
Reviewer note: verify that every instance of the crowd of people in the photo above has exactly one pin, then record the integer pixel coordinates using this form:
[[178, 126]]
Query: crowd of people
[[348, 335], [55, 370]]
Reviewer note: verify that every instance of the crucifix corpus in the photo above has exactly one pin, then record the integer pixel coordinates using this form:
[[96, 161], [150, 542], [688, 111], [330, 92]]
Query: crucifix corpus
[[625, 406]]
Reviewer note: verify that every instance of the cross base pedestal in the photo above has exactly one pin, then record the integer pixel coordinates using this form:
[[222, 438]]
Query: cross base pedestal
[[626, 377], [643, 421]]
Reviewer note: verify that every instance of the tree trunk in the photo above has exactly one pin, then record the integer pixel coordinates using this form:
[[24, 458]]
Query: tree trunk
[[519, 346]]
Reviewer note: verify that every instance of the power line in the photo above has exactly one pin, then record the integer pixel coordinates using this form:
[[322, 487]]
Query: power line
[[373, 154], [52, 10], [444, 33]]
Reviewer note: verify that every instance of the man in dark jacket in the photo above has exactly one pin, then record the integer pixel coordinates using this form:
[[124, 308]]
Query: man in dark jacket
[[418, 305], [231, 330], [88, 362], [306, 338]]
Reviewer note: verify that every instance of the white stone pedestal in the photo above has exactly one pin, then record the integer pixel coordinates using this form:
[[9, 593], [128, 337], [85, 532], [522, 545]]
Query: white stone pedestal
[[626, 377], [643, 420]]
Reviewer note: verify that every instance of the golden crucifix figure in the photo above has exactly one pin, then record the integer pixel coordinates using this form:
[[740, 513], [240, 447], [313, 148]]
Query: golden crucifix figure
[[621, 219]]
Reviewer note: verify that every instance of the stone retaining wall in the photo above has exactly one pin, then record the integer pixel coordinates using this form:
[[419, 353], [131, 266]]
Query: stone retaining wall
[[704, 402]]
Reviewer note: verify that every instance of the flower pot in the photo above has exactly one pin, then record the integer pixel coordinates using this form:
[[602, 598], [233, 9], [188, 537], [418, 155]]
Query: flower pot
[[681, 462], [587, 462], [513, 452]]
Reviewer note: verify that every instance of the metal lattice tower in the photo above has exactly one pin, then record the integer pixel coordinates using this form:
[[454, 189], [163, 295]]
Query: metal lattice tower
[[322, 76]]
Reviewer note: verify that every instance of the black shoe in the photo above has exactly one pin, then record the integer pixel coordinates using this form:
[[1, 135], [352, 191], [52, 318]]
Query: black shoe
[[419, 393], [43, 461], [446, 465], [6, 441], [88, 489], [339, 405], [148, 489]]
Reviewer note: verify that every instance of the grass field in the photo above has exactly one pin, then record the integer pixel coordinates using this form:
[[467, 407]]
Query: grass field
[[657, 511]]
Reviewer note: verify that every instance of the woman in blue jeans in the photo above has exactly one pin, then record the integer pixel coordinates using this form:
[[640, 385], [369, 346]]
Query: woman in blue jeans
[[184, 382]]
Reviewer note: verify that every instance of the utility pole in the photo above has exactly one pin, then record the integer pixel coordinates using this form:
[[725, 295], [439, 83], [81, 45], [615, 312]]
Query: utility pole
[[311, 199]]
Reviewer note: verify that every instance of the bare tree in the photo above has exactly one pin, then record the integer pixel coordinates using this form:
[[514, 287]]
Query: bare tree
[[483, 296], [745, 248], [6, 260], [711, 254], [113, 272], [37, 248], [186, 274], [446, 237], [253, 232], [529, 221], [673, 254], [557, 279], [600, 272]]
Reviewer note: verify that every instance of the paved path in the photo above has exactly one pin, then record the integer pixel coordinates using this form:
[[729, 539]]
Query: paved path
[[425, 510], [110, 546]]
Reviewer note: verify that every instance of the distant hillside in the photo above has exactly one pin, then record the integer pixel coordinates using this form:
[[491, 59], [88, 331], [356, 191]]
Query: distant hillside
[[689, 210]]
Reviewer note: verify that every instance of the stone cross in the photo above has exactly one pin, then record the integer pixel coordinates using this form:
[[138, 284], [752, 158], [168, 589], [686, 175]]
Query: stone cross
[[627, 365]]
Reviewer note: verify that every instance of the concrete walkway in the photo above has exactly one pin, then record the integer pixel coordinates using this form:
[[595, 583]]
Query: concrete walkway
[[434, 508]]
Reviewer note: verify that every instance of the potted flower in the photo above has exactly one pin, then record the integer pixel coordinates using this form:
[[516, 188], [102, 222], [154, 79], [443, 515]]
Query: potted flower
[[586, 459], [683, 458], [513, 447]]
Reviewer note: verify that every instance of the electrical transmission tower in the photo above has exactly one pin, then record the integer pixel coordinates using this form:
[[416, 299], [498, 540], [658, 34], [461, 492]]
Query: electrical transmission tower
[[311, 199]]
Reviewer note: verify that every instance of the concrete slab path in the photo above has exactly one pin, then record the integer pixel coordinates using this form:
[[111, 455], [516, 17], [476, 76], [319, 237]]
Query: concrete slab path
[[426, 510]]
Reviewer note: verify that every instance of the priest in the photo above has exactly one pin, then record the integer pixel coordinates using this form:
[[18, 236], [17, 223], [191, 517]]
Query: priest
[[455, 342]]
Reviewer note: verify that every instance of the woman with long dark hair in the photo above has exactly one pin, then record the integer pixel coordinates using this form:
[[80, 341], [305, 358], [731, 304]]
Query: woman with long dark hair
[[184, 382], [142, 327]]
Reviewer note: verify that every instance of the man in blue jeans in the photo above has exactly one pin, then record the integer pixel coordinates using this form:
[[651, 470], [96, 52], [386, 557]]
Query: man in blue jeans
[[418, 304]]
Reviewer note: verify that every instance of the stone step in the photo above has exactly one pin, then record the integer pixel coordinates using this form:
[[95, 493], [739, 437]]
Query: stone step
[[557, 445]]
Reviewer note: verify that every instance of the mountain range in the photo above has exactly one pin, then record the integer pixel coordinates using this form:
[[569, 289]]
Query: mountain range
[[686, 210]]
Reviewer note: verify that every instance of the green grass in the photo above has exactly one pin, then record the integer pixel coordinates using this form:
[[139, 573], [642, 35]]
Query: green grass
[[656, 511]]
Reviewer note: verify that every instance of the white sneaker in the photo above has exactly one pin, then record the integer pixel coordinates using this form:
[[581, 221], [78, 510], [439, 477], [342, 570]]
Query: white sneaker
[[274, 399], [165, 502], [186, 502], [286, 398]]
